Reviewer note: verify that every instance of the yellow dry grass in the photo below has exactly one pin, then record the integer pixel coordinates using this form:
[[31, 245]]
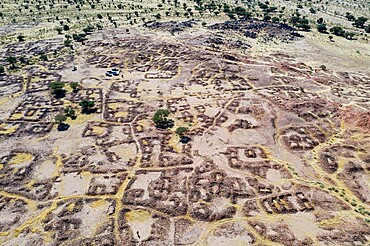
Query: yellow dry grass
[[19, 158], [137, 216]]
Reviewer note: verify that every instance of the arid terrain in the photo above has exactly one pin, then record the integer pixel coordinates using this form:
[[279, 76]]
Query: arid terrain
[[181, 132]]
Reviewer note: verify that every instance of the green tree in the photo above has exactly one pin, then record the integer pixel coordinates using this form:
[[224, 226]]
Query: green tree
[[2, 70], [12, 61], [86, 106], [360, 21], [337, 30], [181, 130], [88, 29], [57, 89], [263, 6], [349, 35], [266, 17], [160, 115], [241, 12], [23, 60], [68, 43], [60, 118], [350, 17], [294, 20], [66, 28], [69, 112], [231, 15], [226, 8], [367, 29], [275, 19], [43, 57], [160, 119], [321, 28], [75, 86], [303, 24], [59, 30]]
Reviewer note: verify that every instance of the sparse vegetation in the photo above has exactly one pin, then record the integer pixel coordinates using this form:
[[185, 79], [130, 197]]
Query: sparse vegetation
[[251, 123], [75, 86], [12, 60], [337, 30], [360, 22], [322, 28], [181, 130], [69, 112], [60, 119], [59, 30], [160, 119], [57, 89], [87, 106]]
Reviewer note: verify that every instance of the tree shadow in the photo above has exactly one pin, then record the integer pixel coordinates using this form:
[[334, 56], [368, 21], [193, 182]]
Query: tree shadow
[[89, 110], [185, 139], [63, 127]]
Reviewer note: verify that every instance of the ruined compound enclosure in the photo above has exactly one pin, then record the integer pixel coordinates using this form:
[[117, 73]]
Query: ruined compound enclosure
[[272, 156]]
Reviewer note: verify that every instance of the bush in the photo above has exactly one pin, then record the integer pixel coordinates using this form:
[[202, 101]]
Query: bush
[[59, 30], [181, 130], [69, 112], [75, 86], [68, 43], [231, 16], [56, 88], [313, 11], [304, 27], [267, 18], [79, 37], [60, 118], [88, 29], [2, 70], [337, 30], [12, 60], [360, 21], [160, 119], [240, 11], [263, 6], [43, 57], [87, 106], [275, 19], [349, 35], [350, 17], [226, 8], [184, 139], [367, 29], [303, 24], [321, 28]]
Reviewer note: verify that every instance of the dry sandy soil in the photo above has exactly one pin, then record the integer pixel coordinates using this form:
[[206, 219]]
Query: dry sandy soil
[[278, 152]]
